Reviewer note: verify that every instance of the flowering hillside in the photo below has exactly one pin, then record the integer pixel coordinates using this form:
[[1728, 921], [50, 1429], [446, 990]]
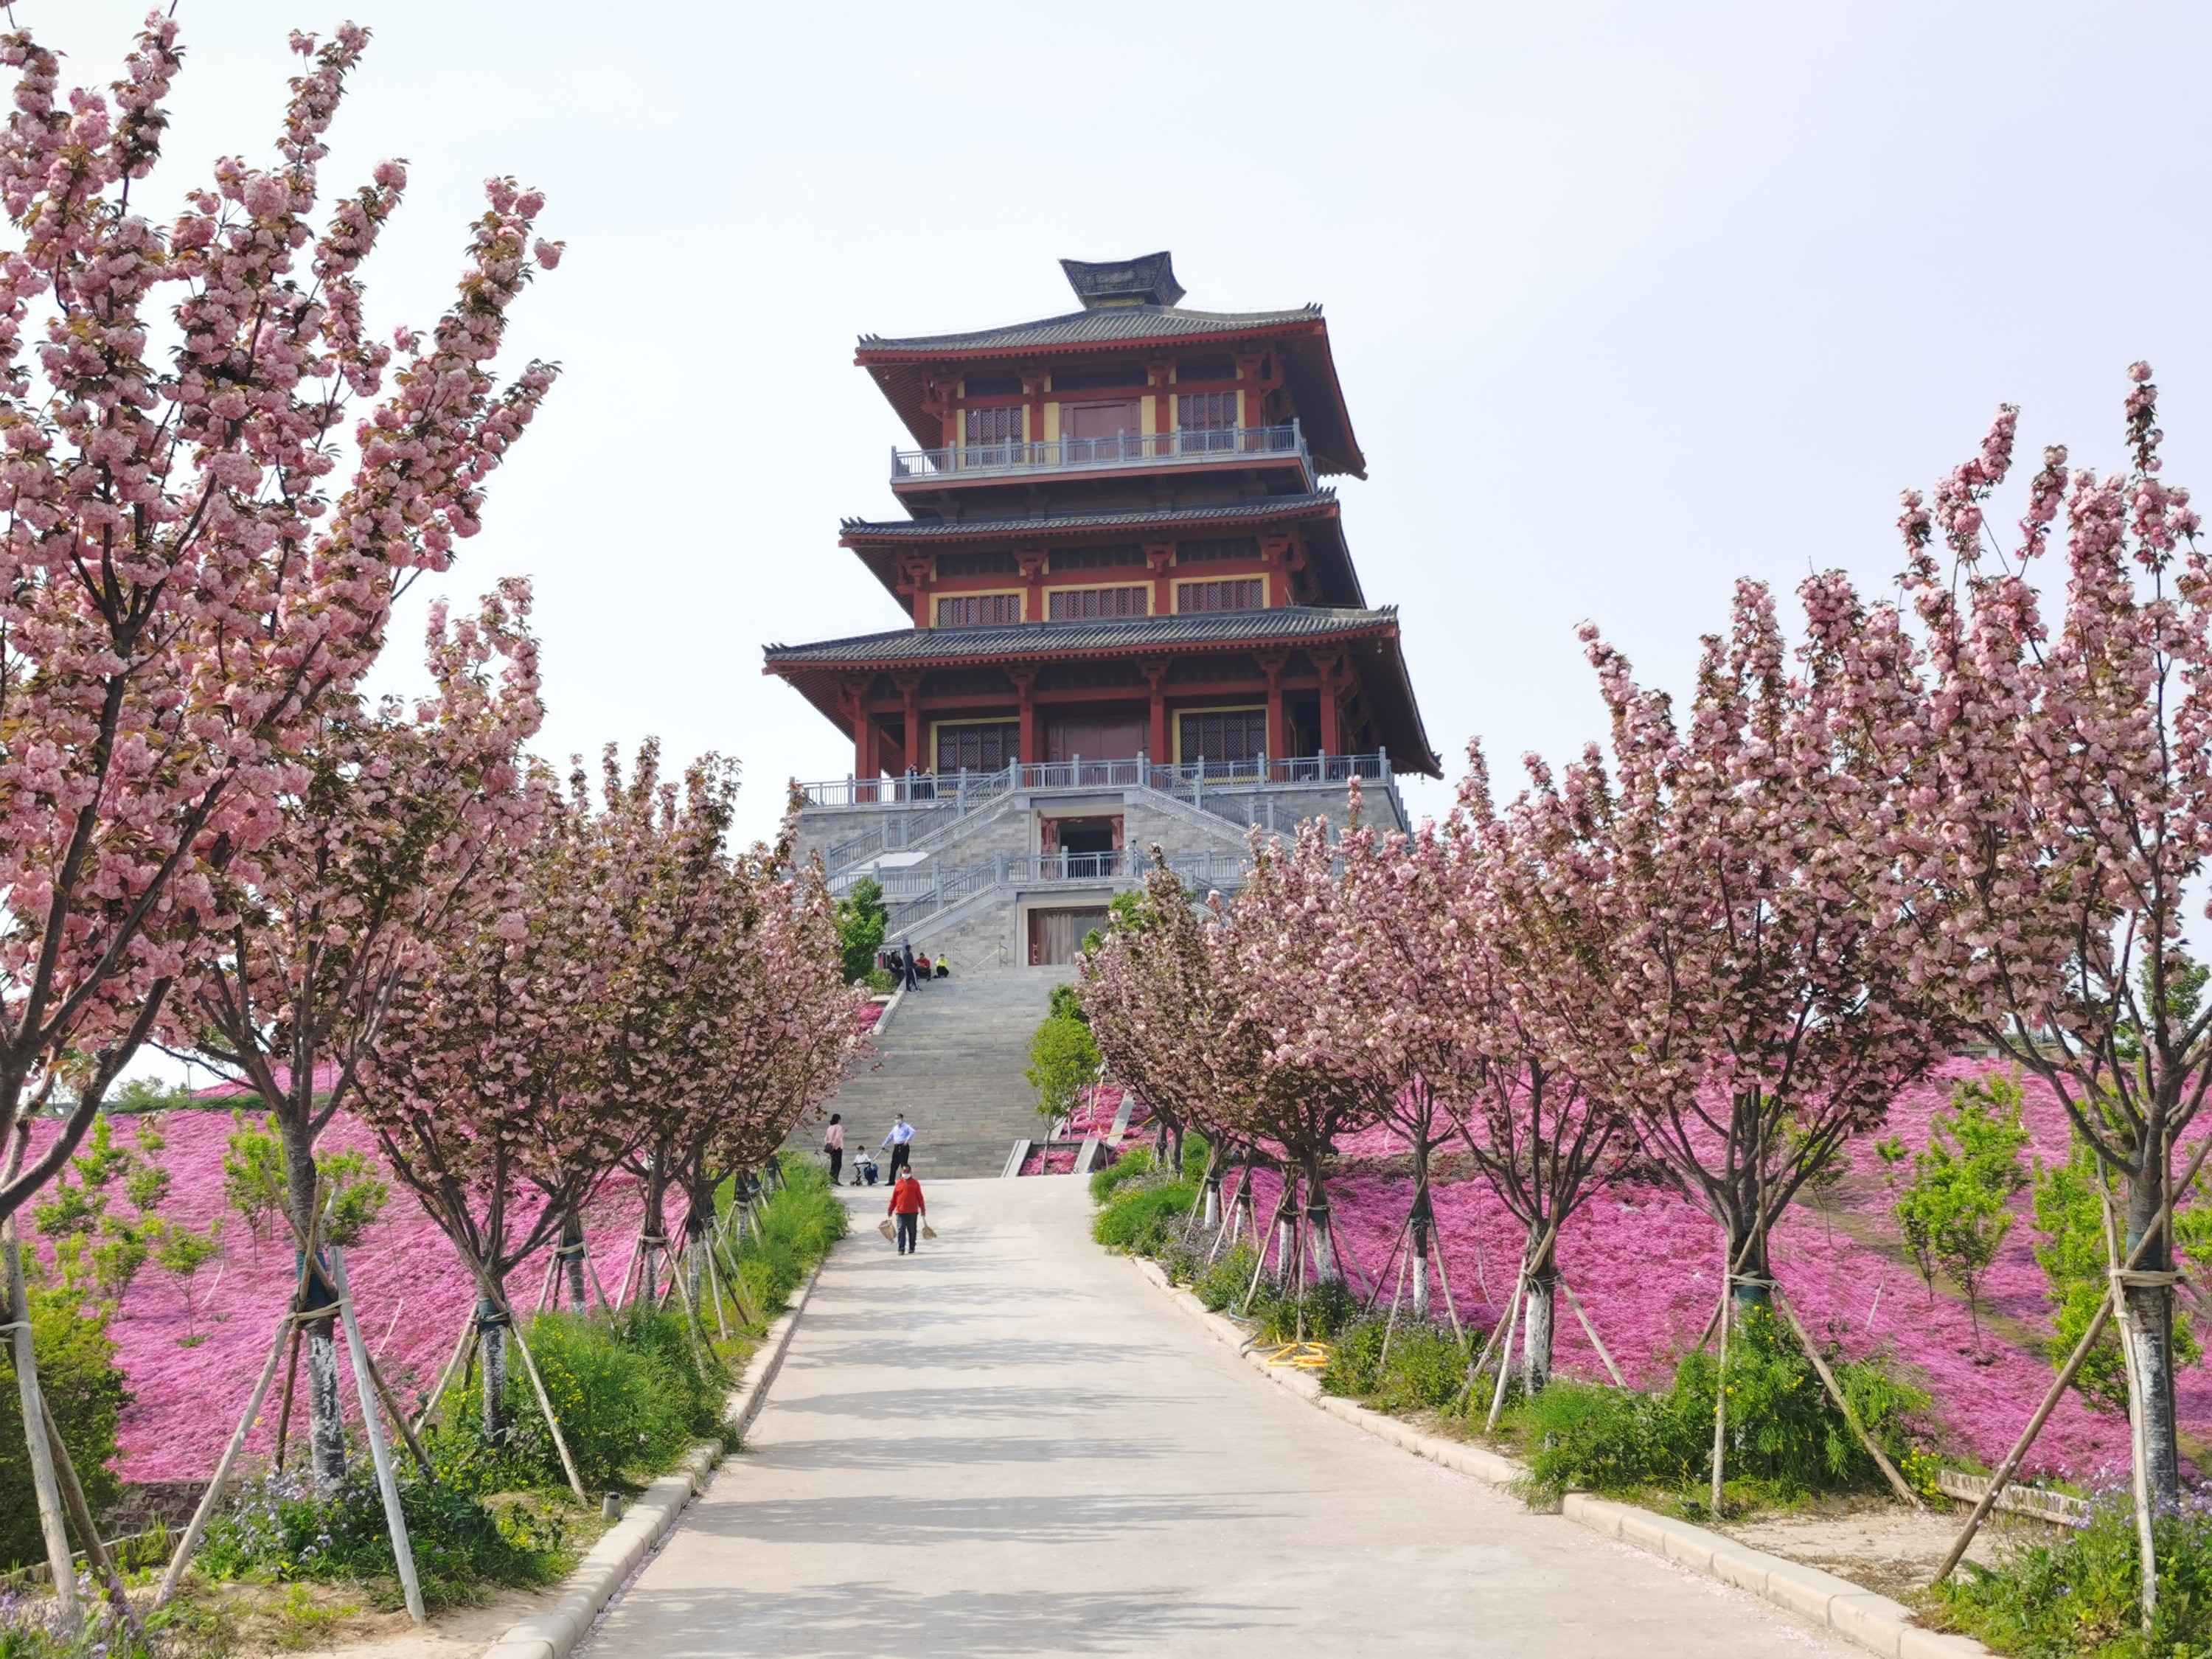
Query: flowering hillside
[[412, 1292], [1646, 1266]]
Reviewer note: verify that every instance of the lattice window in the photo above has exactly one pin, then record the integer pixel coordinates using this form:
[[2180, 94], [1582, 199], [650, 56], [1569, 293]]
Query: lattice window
[[1083, 604], [1205, 411], [1234, 734], [1241, 594], [980, 748], [978, 610]]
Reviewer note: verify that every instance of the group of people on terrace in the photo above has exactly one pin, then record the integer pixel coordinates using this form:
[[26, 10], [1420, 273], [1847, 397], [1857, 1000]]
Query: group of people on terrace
[[908, 969]]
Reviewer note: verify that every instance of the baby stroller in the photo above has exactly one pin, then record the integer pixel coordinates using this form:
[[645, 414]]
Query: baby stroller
[[864, 1168]]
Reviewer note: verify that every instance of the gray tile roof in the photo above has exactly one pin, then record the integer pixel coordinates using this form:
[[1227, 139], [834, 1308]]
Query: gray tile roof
[[1105, 324], [1285, 623], [1266, 506]]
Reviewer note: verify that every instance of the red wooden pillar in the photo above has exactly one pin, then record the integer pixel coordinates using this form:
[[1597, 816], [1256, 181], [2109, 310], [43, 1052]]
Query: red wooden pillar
[[1033, 419], [1024, 678], [909, 687], [866, 765], [1162, 402], [1275, 554], [1332, 737], [1156, 673], [1159, 556], [914, 577], [1033, 565], [1278, 729]]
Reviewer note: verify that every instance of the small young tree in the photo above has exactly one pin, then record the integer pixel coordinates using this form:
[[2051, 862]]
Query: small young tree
[[861, 915], [181, 1252], [1063, 1061], [1955, 1210]]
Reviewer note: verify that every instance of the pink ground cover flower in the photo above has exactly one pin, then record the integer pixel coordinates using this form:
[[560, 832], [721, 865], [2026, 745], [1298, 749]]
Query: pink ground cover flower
[[410, 1292], [1646, 1265]]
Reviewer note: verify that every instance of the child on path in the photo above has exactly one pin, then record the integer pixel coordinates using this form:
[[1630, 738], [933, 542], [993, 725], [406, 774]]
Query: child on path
[[908, 1210]]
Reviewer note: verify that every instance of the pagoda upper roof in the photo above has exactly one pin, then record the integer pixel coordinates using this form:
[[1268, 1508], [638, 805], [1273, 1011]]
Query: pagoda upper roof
[[1107, 325], [877, 541], [1128, 304], [1372, 635]]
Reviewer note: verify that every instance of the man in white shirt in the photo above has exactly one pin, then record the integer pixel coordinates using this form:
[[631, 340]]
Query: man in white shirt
[[899, 1140]]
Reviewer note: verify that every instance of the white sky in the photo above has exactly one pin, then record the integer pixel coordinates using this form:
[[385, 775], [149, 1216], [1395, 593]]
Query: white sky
[[1627, 300]]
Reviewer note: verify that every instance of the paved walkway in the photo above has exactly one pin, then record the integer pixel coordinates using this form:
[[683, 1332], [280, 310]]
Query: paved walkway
[[1013, 1444]]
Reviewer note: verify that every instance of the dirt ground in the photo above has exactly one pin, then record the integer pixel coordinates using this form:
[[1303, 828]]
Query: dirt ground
[[1875, 1542], [358, 1634]]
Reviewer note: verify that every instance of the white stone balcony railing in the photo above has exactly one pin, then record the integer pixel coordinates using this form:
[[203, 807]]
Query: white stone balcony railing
[[1130, 449], [1192, 781]]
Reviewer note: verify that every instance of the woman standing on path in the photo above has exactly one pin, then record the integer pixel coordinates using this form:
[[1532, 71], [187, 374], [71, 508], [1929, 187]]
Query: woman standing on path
[[907, 1207], [833, 1143]]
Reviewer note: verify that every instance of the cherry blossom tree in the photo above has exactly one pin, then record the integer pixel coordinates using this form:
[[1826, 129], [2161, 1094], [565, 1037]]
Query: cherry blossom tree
[[2055, 809], [1161, 1011], [381, 850], [1291, 950], [1764, 971], [1524, 931], [183, 587], [487, 1082]]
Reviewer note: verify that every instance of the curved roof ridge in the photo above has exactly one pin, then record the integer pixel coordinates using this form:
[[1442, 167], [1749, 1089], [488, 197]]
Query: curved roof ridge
[[1105, 324]]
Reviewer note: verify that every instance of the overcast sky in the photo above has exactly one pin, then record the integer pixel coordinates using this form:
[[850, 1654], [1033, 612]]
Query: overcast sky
[[1627, 300]]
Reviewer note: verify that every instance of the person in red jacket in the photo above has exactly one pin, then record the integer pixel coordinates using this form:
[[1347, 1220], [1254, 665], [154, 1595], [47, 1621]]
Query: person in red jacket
[[907, 1207]]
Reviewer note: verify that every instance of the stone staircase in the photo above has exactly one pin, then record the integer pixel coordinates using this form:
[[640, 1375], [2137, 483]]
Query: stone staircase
[[951, 1059]]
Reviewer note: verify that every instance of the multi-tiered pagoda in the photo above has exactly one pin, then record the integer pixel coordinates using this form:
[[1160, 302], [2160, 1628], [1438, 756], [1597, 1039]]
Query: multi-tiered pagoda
[[1127, 590]]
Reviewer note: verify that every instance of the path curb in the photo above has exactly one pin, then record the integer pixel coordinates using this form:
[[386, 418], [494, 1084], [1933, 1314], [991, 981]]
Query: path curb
[[608, 1564], [1852, 1610]]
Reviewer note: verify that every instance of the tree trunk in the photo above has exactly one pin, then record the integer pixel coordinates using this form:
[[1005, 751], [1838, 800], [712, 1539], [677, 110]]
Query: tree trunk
[[491, 1344], [695, 1266], [1319, 1242], [1419, 1246], [1540, 1300], [2149, 1312], [52, 1525], [572, 1258], [326, 1452]]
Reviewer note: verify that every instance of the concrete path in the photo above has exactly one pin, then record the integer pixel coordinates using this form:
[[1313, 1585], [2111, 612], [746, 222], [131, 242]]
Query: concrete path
[[1012, 1444]]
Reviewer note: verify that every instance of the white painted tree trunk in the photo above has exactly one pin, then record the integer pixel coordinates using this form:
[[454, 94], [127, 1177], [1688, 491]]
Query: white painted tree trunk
[[326, 1452], [1537, 1333], [491, 1347], [1419, 1246], [44, 1481]]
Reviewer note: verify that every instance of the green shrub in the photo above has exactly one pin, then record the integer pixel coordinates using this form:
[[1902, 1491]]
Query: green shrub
[[1132, 1165], [1143, 1218], [1423, 1370], [859, 920], [798, 1225], [280, 1531], [627, 1391], [1784, 1435], [1221, 1286], [1316, 1314], [86, 1392], [2079, 1595], [1065, 1002], [1063, 1059]]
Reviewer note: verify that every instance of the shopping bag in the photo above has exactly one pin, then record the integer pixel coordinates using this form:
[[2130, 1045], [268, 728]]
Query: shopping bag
[[885, 1228], [928, 1231]]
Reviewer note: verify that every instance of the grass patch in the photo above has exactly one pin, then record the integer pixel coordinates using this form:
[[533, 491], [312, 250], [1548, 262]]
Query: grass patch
[[1422, 1372], [2079, 1595]]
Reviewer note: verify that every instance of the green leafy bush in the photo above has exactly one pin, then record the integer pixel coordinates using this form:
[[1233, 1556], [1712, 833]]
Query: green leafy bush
[[1065, 1002], [1423, 1370], [798, 1225], [1316, 1315], [1221, 1286], [1143, 1217], [1133, 1165], [2079, 1595], [628, 1392], [1784, 1435], [86, 1392]]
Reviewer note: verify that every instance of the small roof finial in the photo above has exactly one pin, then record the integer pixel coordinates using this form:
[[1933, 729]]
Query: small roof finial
[[1148, 279]]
